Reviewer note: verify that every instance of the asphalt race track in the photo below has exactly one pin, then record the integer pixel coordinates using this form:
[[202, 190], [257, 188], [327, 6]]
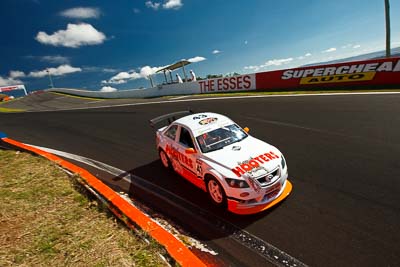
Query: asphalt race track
[[342, 151]]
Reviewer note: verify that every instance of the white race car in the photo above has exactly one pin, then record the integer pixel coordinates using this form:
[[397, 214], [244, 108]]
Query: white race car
[[238, 171]]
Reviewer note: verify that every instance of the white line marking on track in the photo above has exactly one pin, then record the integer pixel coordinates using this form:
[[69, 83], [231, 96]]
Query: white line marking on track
[[179, 97], [219, 98]]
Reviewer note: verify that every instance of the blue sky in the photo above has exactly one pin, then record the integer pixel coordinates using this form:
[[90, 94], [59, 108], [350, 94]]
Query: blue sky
[[116, 44]]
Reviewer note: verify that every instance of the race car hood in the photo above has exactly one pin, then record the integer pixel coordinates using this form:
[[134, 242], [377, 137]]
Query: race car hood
[[251, 156]]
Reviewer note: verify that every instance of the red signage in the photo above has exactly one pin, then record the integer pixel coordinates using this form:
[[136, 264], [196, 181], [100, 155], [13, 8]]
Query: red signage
[[369, 72]]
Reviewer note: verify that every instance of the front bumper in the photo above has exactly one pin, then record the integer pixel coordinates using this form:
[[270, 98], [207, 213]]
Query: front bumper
[[243, 209]]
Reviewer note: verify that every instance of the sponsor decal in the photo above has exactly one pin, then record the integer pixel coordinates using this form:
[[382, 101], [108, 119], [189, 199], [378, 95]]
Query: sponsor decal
[[365, 76], [208, 121], [200, 116], [226, 84], [182, 158], [269, 177], [345, 73], [253, 164], [199, 168]]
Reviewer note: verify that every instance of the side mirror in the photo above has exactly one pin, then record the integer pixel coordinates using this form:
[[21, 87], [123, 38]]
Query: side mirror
[[190, 151], [246, 129]]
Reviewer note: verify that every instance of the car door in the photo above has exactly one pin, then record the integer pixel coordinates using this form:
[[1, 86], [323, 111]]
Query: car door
[[188, 161]]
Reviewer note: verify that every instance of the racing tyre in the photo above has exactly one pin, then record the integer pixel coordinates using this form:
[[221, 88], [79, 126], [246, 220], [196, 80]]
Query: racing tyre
[[164, 159], [216, 192]]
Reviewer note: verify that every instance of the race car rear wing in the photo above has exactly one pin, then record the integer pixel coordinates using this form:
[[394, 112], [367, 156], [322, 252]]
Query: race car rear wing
[[167, 119]]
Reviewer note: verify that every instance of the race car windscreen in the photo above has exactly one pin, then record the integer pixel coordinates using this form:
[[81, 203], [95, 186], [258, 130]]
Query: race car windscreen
[[221, 137]]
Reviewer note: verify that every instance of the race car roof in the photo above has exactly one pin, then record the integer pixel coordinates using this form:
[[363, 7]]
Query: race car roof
[[201, 123]]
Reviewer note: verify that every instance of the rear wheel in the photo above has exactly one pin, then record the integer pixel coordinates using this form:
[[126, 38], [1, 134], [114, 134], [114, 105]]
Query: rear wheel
[[164, 159], [216, 192]]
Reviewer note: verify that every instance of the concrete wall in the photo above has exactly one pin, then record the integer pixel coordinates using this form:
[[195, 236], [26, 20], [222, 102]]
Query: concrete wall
[[237, 83]]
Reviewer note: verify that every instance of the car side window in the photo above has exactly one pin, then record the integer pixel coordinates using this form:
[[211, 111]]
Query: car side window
[[171, 132], [185, 138]]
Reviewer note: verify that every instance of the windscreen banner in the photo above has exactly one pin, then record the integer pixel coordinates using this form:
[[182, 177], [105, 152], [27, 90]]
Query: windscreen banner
[[378, 72]]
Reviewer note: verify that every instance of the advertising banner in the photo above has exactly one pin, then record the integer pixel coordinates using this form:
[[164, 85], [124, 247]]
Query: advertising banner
[[228, 84], [368, 72], [13, 87]]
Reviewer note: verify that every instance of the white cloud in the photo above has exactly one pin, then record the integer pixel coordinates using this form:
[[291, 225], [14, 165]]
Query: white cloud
[[5, 81], [124, 76], [216, 51], [168, 4], [57, 59], [74, 36], [246, 42], [277, 62], [142, 73], [98, 69], [16, 74], [108, 89], [196, 59], [271, 62], [330, 50], [152, 5], [109, 70], [60, 70], [304, 56], [356, 46], [172, 4], [255, 68], [81, 13], [147, 71], [136, 10]]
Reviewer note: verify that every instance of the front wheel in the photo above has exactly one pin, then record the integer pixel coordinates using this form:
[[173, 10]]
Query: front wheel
[[216, 192]]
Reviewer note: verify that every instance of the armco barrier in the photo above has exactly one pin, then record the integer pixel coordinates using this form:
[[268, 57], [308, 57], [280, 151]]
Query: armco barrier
[[175, 247], [374, 73]]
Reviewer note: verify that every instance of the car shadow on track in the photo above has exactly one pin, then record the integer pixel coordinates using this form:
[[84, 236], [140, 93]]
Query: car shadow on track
[[169, 194]]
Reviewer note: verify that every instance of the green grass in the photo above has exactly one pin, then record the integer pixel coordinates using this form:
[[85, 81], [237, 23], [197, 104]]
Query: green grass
[[10, 110], [45, 220]]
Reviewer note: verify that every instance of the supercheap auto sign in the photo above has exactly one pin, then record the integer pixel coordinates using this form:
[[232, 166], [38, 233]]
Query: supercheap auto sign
[[11, 88], [373, 72]]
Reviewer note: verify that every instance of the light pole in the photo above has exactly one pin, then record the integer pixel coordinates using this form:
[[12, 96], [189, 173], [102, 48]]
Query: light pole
[[51, 81], [387, 17]]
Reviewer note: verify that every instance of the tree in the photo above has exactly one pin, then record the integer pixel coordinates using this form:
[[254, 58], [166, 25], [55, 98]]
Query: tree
[[212, 76]]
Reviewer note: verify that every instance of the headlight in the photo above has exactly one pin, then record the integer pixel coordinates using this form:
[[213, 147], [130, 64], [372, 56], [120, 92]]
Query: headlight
[[283, 162], [236, 183]]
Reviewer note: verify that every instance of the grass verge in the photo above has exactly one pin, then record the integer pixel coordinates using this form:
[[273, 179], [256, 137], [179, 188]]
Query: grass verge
[[311, 92], [8, 110], [45, 220]]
